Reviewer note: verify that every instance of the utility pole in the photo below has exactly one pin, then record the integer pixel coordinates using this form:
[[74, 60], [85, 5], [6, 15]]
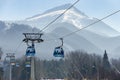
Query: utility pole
[[11, 56], [30, 39]]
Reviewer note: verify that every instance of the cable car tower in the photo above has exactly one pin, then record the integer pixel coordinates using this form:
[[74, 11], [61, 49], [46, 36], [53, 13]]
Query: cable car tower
[[30, 39]]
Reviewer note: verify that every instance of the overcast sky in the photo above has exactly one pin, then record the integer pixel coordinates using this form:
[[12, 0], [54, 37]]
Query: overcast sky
[[21, 9]]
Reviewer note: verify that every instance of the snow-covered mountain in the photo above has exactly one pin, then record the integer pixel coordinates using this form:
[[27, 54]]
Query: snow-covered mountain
[[73, 16], [94, 39]]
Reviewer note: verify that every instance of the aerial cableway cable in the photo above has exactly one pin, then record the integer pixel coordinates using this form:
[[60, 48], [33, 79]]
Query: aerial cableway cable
[[59, 16], [18, 46]]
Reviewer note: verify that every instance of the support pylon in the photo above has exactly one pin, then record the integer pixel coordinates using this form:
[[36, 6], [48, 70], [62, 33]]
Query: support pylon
[[12, 62], [30, 39], [32, 68]]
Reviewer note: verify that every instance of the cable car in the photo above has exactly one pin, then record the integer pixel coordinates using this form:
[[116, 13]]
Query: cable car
[[28, 62], [30, 51], [58, 51], [12, 60], [17, 65]]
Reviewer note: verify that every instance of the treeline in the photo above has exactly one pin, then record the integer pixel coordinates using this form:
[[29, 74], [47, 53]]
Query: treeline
[[82, 65], [77, 65]]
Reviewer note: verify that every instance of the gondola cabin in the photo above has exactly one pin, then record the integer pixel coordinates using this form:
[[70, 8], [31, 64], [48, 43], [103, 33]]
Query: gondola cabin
[[17, 65], [12, 60], [30, 51], [28, 62], [58, 52]]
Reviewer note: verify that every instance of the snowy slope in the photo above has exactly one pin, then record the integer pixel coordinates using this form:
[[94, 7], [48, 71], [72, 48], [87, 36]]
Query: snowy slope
[[74, 17]]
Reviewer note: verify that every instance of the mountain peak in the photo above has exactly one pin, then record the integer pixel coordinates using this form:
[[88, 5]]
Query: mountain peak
[[61, 7], [59, 10], [64, 7]]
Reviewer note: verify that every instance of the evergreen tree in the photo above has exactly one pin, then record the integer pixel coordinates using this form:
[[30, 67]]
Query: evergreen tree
[[106, 64], [94, 69], [106, 70]]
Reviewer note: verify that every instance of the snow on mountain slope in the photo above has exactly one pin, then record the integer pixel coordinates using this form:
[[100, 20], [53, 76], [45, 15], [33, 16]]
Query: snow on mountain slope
[[102, 42], [74, 17], [77, 42], [108, 43], [57, 10], [46, 15], [72, 43]]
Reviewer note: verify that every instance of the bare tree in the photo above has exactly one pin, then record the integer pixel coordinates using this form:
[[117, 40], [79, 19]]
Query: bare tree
[[81, 65]]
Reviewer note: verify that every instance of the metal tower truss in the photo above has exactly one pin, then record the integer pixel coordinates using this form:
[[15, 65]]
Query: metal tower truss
[[33, 37], [30, 39]]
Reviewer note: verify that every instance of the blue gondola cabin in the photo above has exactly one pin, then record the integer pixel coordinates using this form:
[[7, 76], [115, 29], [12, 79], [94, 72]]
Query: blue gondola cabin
[[58, 52], [30, 51]]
